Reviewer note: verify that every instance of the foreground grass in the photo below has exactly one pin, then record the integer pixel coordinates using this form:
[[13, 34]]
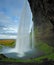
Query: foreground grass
[[39, 59], [49, 57]]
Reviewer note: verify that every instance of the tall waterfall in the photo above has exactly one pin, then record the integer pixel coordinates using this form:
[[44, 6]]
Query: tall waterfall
[[23, 37]]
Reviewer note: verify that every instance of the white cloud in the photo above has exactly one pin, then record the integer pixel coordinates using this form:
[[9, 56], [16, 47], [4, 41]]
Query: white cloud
[[8, 24], [10, 29], [8, 36]]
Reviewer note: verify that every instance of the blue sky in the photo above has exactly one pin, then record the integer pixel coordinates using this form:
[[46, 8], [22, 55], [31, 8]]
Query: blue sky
[[10, 12]]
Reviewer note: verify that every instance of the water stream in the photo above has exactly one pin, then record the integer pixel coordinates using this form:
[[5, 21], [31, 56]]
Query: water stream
[[23, 37]]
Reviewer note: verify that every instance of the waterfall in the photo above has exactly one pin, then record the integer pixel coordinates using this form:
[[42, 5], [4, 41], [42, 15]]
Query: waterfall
[[23, 36], [32, 35]]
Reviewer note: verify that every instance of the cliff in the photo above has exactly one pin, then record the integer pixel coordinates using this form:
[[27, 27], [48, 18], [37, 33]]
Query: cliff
[[43, 18]]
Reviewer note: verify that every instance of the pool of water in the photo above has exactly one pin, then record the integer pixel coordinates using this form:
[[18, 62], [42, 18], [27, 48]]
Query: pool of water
[[13, 53]]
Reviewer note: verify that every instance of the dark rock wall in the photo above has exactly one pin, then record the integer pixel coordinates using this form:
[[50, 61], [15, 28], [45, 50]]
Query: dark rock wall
[[43, 18]]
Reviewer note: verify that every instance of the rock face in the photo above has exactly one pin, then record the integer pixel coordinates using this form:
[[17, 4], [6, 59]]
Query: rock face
[[43, 18]]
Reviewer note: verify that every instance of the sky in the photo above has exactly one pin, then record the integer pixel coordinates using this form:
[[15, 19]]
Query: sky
[[10, 12]]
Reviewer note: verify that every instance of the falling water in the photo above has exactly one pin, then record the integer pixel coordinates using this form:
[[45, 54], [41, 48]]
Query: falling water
[[23, 37], [32, 35]]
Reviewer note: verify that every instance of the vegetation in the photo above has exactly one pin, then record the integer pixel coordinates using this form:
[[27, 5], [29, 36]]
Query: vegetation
[[0, 47], [40, 36], [8, 42], [44, 47], [39, 59]]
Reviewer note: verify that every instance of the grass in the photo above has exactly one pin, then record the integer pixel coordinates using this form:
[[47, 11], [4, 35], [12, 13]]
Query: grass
[[7, 42], [49, 57], [39, 59], [40, 44], [0, 47], [44, 47]]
